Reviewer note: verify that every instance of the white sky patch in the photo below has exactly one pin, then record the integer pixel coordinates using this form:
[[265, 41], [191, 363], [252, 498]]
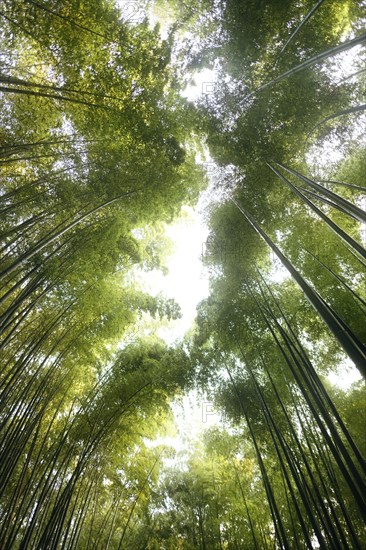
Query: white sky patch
[[192, 415], [344, 64], [321, 157], [186, 281], [203, 83], [278, 272], [345, 375]]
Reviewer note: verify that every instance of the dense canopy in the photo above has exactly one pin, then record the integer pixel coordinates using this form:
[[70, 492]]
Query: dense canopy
[[101, 147]]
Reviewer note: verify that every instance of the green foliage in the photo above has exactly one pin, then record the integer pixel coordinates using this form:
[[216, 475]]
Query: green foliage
[[97, 153]]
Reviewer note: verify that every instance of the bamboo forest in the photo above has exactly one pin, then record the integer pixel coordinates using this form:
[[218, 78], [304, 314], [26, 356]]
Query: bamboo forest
[[183, 294]]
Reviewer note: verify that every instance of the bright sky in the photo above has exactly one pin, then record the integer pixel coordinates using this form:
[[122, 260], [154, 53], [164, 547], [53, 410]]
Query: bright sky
[[186, 281], [203, 84], [346, 375], [193, 415]]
